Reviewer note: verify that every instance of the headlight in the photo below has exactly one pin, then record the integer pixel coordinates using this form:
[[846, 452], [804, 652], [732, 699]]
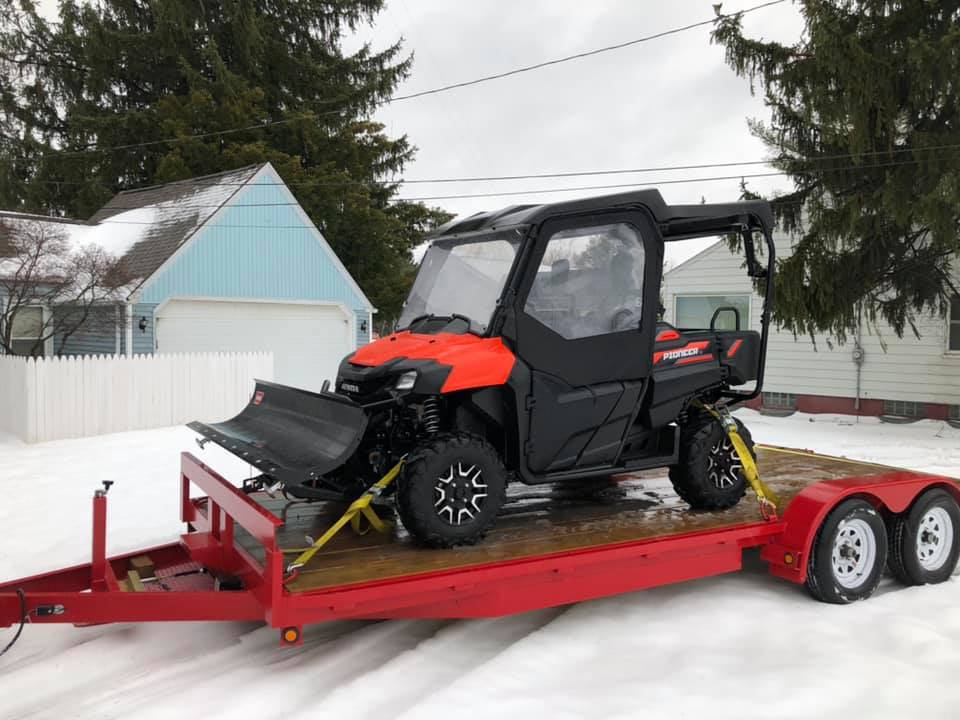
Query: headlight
[[406, 381]]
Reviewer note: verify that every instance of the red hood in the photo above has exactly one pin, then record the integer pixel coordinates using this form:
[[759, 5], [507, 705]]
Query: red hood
[[474, 361]]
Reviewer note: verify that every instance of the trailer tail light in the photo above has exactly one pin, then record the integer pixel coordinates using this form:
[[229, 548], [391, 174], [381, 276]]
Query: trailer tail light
[[290, 636]]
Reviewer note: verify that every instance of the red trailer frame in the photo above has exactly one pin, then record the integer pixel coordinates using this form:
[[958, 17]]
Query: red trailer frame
[[193, 576]]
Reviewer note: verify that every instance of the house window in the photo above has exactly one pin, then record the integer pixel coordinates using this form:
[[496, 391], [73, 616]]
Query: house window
[[904, 408], [955, 412], [954, 327], [779, 401], [695, 311], [27, 328]]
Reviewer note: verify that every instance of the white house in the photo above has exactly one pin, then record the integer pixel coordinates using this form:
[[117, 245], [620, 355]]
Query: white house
[[908, 376]]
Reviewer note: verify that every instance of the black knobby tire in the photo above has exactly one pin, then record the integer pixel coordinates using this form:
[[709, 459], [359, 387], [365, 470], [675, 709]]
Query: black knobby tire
[[438, 493], [848, 554], [708, 475], [935, 518]]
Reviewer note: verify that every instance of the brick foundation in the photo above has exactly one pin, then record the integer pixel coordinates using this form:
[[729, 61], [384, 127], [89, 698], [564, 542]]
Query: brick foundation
[[845, 406]]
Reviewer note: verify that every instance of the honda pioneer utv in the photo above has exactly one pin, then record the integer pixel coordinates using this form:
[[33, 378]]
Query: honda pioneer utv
[[529, 349]]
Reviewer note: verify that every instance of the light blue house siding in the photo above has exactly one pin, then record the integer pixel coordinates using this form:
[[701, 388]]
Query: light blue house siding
[[143, 340], [266, 251], [97, 336]]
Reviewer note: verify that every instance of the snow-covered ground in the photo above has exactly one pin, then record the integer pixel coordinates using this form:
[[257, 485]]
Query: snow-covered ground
[[737, 646]]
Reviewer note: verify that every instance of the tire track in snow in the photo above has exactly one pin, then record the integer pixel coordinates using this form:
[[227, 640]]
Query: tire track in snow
[[453, 653], [103, 666], [260, 678]]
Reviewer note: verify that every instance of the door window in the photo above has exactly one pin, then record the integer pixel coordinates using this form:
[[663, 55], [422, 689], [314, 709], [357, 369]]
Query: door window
[[590, 281]]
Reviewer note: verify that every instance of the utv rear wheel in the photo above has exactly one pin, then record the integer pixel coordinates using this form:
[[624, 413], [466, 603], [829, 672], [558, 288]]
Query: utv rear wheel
[[451, 490], [709, 475]]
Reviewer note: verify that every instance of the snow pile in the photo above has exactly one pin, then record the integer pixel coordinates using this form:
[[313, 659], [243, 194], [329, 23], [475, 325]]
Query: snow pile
[[737, 646]]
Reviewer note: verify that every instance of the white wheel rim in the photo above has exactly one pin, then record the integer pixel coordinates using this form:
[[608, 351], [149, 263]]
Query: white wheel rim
[[854, 553], [934, 538], [723, 464], [459, 494]]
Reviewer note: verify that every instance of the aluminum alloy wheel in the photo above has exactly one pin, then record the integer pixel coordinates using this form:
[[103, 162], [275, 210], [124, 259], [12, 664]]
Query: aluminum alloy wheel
[[459, 494], [854, 553], [723, 464], [934, 538]]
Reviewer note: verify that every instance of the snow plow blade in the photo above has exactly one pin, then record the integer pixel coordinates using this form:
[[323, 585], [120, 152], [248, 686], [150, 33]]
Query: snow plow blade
[[289, 434]]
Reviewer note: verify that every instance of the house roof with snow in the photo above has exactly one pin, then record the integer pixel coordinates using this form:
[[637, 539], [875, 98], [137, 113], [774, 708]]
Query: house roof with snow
[[9, 221], [147, 225], [151, 229]]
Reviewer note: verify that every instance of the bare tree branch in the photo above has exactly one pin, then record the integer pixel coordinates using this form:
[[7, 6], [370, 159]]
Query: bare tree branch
[[78, 287]]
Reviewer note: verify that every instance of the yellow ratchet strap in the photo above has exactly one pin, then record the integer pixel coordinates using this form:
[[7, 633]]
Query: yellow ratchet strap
[[767, 498], [359, 508]]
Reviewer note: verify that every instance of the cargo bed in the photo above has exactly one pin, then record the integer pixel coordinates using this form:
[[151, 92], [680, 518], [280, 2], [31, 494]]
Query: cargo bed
[[539, 520]]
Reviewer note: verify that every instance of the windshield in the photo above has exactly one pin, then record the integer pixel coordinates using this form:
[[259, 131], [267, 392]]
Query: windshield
[[462, 277]]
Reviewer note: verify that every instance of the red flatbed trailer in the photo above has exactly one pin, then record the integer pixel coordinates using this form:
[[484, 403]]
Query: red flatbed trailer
[[551, 547]]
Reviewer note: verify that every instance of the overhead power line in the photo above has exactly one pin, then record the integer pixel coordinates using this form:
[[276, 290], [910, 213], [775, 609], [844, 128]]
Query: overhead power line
[[580, 56], [181, 138], [528, 191], [545, 176], [422, 93], [653, 183]]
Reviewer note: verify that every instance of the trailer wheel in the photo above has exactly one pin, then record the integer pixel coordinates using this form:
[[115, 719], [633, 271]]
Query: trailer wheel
[[925, 541], [451, 490], [848, 554], [709, 475]]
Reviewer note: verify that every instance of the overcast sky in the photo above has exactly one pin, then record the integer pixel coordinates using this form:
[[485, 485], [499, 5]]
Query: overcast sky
[[670, 101]]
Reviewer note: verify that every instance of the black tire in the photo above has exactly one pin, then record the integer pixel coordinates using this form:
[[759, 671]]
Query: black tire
[[708, 475], [848, 554], [463, 462], [935, 517]]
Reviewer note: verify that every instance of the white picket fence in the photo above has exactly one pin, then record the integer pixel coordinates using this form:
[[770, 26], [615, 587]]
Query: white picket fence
[[55, 398]]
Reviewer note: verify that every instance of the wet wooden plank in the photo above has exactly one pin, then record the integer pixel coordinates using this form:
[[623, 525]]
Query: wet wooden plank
[[539, 520]]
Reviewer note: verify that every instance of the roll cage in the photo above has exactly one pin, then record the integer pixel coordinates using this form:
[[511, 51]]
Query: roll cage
[[671, 222]]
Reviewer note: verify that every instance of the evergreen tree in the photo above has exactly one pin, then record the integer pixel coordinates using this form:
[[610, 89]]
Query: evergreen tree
[[124, 72], [866, 121]]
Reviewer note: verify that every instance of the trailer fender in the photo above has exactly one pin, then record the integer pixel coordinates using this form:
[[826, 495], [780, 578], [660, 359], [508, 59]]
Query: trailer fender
[[894, 492]]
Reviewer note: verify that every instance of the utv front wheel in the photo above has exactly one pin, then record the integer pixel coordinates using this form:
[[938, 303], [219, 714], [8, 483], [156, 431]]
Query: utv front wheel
[[451, 490], [709, 475]]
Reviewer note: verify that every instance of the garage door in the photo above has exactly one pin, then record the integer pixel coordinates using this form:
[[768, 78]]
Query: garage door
[[307, 341]]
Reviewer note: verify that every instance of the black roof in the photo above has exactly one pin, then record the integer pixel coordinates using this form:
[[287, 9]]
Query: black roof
[[171, 214], [700, 218]]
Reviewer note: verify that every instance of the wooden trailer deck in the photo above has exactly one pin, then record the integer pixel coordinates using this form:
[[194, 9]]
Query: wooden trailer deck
[[538, 520]]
